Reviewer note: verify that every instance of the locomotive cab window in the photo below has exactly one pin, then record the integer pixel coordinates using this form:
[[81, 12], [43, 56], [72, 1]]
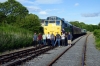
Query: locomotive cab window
[[46, 23], [51, 21], [57, 22]]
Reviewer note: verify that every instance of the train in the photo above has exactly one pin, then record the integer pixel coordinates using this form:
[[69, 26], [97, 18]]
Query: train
[[54, 24]]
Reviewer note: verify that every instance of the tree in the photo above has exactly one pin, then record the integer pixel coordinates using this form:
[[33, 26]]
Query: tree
[[31, 22], [99, 25], [13, 9], [2, 17], [77, 23]]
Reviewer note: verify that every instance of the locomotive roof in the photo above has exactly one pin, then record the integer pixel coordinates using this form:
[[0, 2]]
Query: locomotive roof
[[68, 23], [58, 18]]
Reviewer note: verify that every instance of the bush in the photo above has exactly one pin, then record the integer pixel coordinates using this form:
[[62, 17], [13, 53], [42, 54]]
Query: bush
[[97, 35], [14, 38]]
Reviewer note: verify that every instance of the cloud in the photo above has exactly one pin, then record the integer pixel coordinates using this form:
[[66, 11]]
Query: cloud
[[25, 1], [34, 5], [91, 14], [76, 4], [33, 8], [2, 1], [48, 1], [21, 1], [61, 11], [38, 1], [49, 10], [43, 13]]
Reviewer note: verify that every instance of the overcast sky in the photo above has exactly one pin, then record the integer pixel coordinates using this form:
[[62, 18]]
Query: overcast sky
[[87, 11]]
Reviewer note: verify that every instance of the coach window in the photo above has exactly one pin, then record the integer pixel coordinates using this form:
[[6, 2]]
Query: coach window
[[57, 22], [46, 23], [65, 25]]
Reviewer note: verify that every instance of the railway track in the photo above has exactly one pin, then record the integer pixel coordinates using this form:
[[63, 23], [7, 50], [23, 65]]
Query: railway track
[[19, 57], [16, 58], [83, 53]]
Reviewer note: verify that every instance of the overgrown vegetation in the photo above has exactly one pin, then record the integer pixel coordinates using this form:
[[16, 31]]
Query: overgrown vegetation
[[17, 26], [97, 37], [13, 38], [92, 28]]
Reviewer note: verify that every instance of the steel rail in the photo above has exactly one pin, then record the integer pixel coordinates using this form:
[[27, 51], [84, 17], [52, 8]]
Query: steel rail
[[18, 54], [84, 52], [54, 60]]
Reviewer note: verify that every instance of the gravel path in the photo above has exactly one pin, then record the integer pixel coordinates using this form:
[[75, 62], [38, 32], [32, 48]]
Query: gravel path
[[45, 59], [92, 55], [73, 56]]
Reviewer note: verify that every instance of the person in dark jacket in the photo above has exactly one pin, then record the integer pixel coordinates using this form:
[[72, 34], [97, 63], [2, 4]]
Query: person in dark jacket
[[40, 39], [66, 41], [35, 39], [52, 39], [63, 31], [69, 37]]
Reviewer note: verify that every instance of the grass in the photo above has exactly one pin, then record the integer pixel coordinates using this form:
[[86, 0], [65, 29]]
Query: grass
[[98, 43], [97, 38], [13, 38]]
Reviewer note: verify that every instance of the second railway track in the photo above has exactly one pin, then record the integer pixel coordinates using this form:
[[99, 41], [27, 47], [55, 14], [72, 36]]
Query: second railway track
[[16, 58], [20, 57], [83, 54]]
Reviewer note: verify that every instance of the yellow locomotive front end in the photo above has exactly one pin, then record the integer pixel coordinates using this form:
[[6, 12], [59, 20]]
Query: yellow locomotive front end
[[52, 26]]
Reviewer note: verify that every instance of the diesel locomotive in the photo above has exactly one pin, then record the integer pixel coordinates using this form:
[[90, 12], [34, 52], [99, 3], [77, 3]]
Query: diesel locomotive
[[54, 24]]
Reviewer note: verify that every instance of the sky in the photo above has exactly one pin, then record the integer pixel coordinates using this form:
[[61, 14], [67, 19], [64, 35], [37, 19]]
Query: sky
[[87, 11]]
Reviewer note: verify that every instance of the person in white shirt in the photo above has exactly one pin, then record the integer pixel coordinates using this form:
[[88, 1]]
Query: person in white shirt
[[63, 39], [48, 39], [44, 39]]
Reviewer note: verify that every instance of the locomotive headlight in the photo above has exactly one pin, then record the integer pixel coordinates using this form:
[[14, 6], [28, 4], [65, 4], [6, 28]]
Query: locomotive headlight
[[57, 28], [45, 28]]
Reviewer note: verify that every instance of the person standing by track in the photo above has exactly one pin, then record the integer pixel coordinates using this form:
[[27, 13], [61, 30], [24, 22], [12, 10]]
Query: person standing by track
[[63, 31], [69, 38], [66, 40], [52, 39], [48, 38], [40, 39], [57, 39], [63, 39], [35, 39], [44, 39]]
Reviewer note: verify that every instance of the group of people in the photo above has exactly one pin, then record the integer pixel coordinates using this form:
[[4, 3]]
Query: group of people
[[50, 39]]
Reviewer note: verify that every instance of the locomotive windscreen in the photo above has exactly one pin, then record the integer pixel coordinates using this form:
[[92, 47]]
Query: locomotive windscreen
[[51, 21], [57, 22], [46, 23]]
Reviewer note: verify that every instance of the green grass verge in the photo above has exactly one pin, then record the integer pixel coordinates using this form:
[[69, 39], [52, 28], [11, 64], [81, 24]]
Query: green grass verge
[[97, 38], [13, 38]]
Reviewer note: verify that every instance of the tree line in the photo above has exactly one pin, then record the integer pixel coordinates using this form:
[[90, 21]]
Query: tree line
[[88, 27], [14, 13], [17, 26]]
